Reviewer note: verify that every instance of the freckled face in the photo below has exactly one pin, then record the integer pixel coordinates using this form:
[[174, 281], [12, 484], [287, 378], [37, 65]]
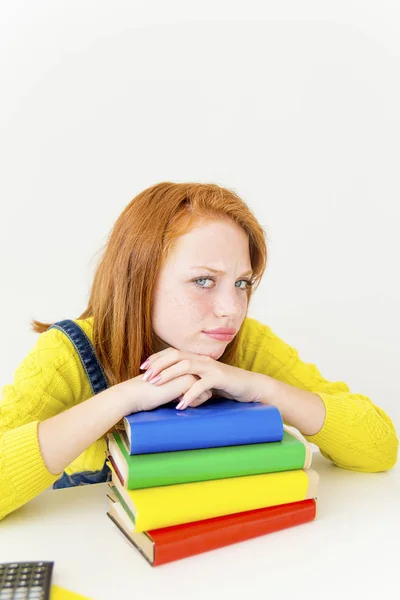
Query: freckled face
[[189, 300]]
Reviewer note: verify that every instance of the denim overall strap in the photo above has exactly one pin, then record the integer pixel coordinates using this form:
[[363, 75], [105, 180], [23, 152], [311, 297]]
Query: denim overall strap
[[83, 346], [98, 382]]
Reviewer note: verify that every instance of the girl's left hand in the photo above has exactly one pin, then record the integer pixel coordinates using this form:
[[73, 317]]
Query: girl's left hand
[[226, 381]]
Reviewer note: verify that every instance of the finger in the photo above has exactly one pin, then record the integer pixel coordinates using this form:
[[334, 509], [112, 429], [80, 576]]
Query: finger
[[194, 404], [200, 400], [160, 374], [203, 397], [165, 371], [202, 385], [147, 361], [153, 357], [197, 403], [161, 360]]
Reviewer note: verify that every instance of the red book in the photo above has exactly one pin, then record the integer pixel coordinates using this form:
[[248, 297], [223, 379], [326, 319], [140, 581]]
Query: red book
[[160, 546]]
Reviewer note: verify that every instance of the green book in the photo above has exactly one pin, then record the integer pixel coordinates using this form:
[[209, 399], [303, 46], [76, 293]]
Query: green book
[[184, 466]]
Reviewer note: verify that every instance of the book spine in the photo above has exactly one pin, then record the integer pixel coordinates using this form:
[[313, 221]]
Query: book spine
[[114, 466], [234, 532]]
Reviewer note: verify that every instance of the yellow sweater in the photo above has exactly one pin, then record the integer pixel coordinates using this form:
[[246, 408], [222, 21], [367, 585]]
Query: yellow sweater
[[356, 435]]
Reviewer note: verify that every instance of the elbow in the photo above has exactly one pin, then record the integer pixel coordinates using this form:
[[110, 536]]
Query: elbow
[[386, 451], [383, 452], [6, 508], [380, 466], [383, 459], [390, 451], [9, 505], [392, 455]]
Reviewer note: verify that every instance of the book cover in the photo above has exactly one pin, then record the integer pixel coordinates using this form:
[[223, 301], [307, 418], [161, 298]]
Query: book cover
[[160, 546], [60, 593], [217, 422], [185, 466], [163, 506]]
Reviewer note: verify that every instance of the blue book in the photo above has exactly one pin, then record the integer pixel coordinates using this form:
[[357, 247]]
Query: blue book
[[217, 422]]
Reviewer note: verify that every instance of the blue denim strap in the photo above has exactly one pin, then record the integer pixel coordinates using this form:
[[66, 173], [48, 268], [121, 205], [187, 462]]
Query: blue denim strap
[[98, 382], [94, 371]]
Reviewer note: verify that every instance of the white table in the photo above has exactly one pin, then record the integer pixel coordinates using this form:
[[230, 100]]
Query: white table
[[350, 552]]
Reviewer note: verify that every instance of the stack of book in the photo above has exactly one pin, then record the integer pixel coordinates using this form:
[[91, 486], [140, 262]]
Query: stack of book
[[185, 482]]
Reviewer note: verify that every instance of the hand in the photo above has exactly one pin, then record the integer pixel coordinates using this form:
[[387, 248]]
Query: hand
[[139, 395], [224, 380]]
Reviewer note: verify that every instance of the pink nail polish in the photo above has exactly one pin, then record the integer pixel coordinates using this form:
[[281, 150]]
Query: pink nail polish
[[145, 364], [155, 379], [147, 375]]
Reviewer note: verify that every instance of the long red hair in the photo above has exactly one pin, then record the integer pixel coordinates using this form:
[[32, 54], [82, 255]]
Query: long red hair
[[122, 290]]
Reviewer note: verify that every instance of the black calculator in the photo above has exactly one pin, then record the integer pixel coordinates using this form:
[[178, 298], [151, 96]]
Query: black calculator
[[25, 580]]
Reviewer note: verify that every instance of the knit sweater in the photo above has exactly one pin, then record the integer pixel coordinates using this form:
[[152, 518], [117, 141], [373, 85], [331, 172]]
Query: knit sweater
[[356, 434]]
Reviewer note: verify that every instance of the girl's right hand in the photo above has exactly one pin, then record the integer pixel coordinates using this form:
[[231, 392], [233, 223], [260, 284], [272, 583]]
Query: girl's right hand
[[141, 395]]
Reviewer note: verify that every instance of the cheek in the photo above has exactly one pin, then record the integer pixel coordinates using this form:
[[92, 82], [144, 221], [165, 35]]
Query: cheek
[[198, 303], [184, 307]]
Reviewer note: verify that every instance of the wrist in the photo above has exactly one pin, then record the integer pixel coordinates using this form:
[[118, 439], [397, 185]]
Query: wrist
[[126, 398], [267, 390], [274, 393], [299, 408], [118, 402]]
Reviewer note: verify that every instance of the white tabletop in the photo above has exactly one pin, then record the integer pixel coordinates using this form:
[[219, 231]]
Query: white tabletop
[[350, 551]]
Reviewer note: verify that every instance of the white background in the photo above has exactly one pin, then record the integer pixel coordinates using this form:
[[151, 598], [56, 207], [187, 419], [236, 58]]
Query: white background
[[294, 105]]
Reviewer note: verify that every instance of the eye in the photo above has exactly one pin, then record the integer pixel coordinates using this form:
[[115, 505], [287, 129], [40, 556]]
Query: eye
[[207, 278], [203, 279], [248, 283]]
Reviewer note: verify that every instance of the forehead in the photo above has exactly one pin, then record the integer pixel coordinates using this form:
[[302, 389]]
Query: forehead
[[211, 240], [220, 246]]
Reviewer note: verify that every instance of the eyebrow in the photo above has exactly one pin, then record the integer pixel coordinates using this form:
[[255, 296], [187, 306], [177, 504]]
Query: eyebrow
[[216, 270]]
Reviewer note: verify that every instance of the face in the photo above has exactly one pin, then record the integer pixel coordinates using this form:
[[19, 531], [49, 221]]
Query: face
[[190, 298]]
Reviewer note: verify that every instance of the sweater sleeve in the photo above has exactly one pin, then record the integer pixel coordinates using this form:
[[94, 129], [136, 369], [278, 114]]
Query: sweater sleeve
[[357, 434], [40, 389]]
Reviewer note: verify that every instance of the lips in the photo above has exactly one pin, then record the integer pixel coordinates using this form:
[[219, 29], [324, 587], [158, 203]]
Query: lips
[[225, 337], [222, 331]]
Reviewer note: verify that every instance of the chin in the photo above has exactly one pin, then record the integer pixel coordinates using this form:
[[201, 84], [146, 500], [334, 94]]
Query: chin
[[215, 354]]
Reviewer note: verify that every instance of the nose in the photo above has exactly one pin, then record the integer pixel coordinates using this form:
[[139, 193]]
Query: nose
[[228, 303]]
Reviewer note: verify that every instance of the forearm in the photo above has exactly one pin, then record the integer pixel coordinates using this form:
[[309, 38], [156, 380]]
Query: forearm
[[64, 437], [299, 408], [348, 428], [33, 455]]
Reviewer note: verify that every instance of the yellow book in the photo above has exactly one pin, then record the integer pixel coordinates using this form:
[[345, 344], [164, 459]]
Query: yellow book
[[59, 593], [163, 506]]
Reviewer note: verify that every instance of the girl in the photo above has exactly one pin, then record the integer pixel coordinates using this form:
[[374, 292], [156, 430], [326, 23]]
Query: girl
[[170, 297]]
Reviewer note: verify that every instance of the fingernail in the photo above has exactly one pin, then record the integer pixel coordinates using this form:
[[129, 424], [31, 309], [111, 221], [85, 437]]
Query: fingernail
[[155, 379], [148, 374], [145, 364], [180, 405]]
